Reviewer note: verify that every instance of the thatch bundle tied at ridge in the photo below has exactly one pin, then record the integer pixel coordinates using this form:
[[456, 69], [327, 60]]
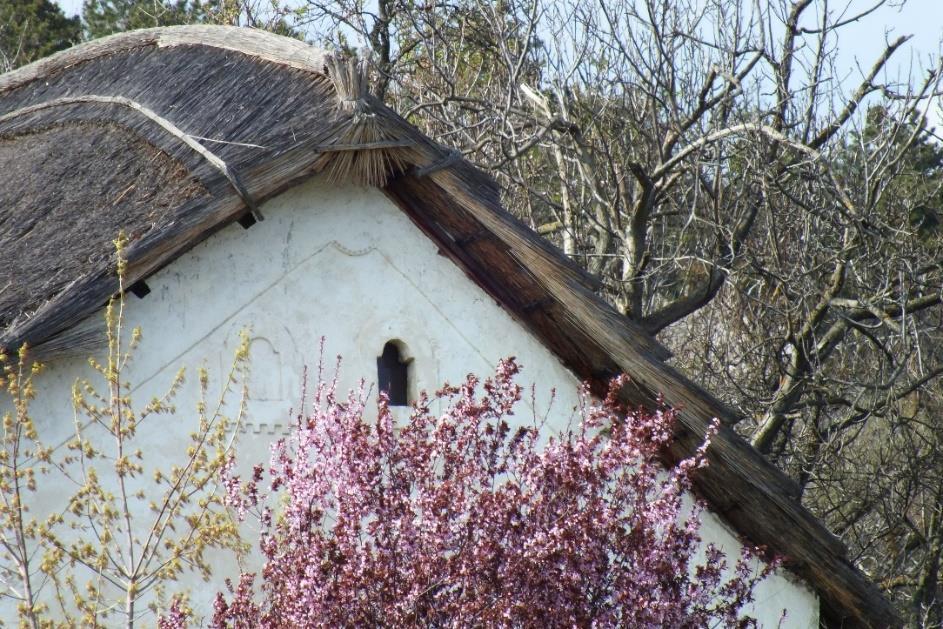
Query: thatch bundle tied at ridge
[[369, 148]]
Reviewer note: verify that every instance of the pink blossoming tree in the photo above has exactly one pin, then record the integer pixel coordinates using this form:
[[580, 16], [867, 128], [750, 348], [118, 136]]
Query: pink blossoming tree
[[458, 519]]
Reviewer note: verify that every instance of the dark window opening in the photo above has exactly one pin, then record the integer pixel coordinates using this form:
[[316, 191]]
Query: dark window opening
[[393, 374]]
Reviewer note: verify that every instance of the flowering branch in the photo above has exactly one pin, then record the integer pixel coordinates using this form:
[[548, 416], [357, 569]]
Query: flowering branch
[[459, 517]]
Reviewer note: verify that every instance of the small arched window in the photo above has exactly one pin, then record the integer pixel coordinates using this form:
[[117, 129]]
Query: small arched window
[[393, 374]]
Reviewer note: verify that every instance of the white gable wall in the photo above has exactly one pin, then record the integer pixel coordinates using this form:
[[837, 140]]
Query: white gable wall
[[343, 263]]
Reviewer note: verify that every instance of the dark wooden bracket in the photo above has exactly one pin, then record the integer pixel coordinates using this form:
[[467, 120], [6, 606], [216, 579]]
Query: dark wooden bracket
[[139, 289], [249, 219]]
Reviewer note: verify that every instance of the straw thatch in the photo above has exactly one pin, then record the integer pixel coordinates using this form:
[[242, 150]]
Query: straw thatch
[[171, 134]]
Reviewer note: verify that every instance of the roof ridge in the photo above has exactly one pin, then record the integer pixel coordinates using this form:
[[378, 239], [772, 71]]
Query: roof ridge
[[256, 43]]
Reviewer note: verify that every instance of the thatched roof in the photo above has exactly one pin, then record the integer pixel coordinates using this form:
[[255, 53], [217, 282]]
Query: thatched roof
[[170, 134]]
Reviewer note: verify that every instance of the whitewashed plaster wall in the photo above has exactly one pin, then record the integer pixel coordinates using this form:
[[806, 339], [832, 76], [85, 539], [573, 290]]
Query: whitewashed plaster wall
[[343, 263]]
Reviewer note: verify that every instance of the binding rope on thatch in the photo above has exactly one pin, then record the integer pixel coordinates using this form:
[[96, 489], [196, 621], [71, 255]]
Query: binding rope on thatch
[[367, 149], [165, 124]]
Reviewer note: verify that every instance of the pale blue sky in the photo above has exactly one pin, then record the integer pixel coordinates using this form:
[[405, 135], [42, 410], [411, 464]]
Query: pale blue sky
[[70, 7]]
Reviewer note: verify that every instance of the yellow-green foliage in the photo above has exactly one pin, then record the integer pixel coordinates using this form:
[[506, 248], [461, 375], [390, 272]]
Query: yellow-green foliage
[[130, 526]]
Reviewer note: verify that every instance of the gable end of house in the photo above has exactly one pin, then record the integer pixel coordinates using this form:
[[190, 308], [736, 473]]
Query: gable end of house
[[169, 135]]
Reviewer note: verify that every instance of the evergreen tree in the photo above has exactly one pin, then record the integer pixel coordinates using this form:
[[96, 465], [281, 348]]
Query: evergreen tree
[[32, 29], [104, 17]]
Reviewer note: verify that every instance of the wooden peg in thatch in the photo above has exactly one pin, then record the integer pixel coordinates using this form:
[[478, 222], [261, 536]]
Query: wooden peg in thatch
[[450, 157], [364, 123]]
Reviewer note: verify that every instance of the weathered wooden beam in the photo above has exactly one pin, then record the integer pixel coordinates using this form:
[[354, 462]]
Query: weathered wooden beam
[[741, 486], [464, 241]]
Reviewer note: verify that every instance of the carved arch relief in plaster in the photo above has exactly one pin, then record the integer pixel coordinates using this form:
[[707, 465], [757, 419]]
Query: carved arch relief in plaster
[[273, 387]]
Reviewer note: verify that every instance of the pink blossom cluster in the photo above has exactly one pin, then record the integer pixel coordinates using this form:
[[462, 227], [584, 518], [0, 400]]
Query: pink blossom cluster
[[457, 519]]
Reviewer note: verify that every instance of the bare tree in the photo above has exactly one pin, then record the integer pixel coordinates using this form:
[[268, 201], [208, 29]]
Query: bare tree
[[772, 220]]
